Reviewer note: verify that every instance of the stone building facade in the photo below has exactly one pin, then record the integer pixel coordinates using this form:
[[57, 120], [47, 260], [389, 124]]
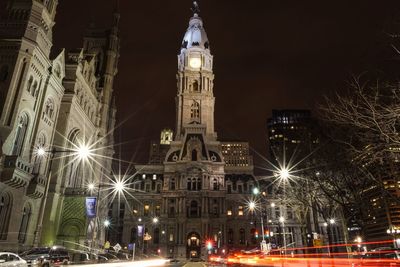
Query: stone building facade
[[182, 201], [51, 101]]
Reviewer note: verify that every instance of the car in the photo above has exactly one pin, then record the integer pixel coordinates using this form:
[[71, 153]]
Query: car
[[46, 256], [8, 259], [383, 257]]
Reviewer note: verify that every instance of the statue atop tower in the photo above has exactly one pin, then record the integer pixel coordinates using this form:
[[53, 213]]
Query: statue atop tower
[[196, 8]]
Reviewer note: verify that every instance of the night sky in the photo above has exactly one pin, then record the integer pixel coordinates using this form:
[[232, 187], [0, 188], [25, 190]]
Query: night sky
[[268, 55]]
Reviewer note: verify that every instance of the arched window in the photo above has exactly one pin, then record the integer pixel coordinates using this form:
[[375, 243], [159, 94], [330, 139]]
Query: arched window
[[28, 87], [73, 173], [215, 184], [5, 212], [37, 159], [230, 236], [198, 184], [193, 209], [26, 215], [195, 110], [156, 238], [20, 134], [49, 108], [196, 86], [3, 73], [172, 184], [242, 236], [34, 88], [194, 155]]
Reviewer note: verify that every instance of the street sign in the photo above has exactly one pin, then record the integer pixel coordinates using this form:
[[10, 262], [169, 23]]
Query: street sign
[[130, 246], [107, 245], [317, 242], [117, 247]]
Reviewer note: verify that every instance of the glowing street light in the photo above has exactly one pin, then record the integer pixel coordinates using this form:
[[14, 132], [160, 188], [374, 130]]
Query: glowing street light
[[41, 152], [252, 205], [272, 205], [332, 221], [155, 220], [281, 219], [119, 186], [284, 173], [83, 152], [107, 223], [91, 187], [256, 191]]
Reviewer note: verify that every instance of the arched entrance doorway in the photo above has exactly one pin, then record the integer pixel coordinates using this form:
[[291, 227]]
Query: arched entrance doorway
[[193, 249]]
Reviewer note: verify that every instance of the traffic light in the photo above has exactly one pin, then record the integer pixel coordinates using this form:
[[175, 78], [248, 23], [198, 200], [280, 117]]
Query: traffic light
[[266, 233], [256, 234]]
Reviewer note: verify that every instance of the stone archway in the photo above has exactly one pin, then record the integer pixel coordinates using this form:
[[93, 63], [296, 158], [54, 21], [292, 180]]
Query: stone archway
[[193, 246]]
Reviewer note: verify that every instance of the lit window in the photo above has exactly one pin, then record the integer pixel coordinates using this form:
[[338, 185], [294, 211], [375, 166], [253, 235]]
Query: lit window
[[229, 213], [144, 176], [154, 177], [171, 237], [240, 212]]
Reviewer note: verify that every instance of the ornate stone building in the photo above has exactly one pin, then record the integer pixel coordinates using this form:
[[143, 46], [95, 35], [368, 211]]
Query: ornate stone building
[[51, 102], [188, 190]]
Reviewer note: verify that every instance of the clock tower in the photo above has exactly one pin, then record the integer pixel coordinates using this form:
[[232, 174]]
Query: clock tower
[[195, 99]]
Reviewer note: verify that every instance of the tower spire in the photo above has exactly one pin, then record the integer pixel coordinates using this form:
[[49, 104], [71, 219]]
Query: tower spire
[[116, 7], [117, 14], [196, 7]]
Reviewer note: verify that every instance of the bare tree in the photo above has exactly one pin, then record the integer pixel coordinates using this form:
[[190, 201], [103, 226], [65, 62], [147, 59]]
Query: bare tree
[[370, 117]]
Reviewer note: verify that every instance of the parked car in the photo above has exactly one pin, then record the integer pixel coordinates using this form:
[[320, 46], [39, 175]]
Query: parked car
[[46, 256], [8, 259]]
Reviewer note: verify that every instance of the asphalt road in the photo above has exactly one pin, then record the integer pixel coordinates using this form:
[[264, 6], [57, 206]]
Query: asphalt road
[[195, 264]]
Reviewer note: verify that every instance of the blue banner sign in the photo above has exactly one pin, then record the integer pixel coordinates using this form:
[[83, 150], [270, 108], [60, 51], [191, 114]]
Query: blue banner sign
[[91, 207], [140, 230]]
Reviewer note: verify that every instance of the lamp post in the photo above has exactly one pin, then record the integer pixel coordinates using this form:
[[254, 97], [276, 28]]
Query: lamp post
[[82, 153], [252, 207], [154, 221], [282, 221]]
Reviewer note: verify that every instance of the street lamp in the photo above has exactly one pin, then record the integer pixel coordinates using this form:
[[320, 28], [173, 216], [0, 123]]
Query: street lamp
[[256, 191], [284, 173], [82, 152], [252, 207], [154, 221], [282, 221]]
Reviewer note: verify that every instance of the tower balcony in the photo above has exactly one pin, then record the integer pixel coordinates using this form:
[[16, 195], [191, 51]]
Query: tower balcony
[[16, 172], [36, 187]]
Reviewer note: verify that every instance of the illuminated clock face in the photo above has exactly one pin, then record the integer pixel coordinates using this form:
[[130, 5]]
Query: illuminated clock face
[[195, 62]]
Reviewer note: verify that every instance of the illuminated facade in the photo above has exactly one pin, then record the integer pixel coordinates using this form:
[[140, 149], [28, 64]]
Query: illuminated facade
[[188, 190], [50, 102]]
